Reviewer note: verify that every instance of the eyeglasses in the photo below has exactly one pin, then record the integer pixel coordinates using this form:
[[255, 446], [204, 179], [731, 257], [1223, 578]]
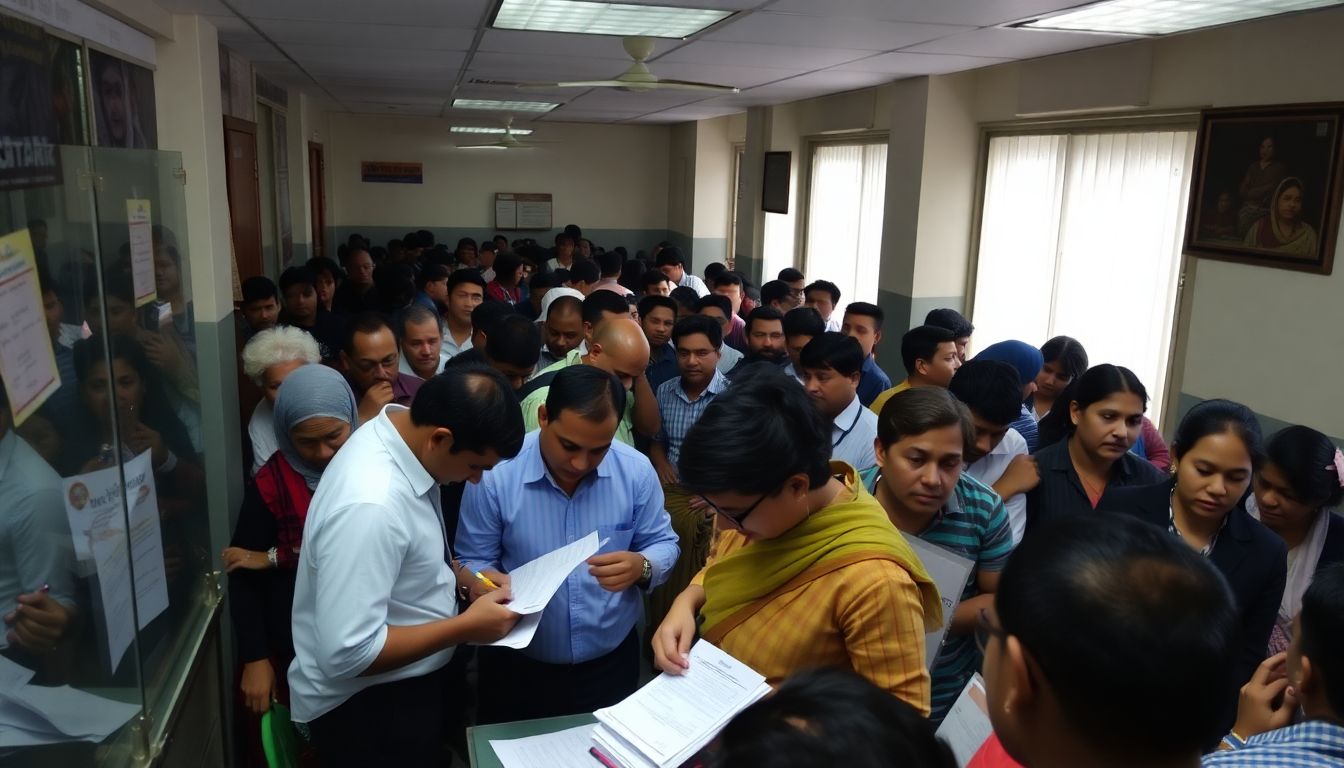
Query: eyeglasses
[[740, 518], [985, 629]]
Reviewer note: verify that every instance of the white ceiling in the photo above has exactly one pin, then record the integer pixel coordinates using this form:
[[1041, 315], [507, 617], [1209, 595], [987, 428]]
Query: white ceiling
[[415, 56]]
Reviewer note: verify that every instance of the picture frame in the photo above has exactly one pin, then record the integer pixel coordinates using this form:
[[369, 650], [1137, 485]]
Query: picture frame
[[1266, 187], [775, 182]]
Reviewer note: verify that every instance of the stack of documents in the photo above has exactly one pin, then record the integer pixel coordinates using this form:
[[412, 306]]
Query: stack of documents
[[32, 714], [664, 724]]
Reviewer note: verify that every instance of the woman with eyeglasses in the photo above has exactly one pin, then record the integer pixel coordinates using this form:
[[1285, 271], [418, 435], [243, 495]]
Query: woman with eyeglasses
[[806, 570]]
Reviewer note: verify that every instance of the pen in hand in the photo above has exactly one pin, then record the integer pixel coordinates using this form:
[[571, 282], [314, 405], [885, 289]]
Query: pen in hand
[[485, 580]]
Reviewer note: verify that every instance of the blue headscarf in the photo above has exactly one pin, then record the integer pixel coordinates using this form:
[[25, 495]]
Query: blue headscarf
[[310, 392], [1019, 354]]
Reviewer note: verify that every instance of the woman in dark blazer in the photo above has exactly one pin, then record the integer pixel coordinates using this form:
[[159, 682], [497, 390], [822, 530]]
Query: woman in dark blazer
[[1296, 491], [1217, 449]]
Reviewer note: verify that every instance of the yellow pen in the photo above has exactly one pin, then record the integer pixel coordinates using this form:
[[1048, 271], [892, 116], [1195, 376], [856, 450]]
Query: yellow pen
[[485, 580]]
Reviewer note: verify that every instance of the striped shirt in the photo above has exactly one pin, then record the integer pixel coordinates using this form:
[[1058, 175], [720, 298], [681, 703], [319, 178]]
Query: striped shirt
[[1312, 744], [1027, 428], [972, 524], [866, 616], [680, 413]]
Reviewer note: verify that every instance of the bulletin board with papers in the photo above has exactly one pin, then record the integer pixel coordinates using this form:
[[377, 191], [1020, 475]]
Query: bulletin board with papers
[[523, 210]]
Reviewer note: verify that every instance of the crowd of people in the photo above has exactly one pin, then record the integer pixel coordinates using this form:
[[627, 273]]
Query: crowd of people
[[423, 420]]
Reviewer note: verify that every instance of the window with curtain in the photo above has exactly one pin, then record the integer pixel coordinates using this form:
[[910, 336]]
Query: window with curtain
[[844, 218], [1081, 236]]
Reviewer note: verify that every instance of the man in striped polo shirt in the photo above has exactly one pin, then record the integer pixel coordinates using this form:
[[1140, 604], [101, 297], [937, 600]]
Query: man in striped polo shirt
[[924, 435]]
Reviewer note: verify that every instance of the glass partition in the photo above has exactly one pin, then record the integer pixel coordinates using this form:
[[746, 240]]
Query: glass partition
[[105, 557]]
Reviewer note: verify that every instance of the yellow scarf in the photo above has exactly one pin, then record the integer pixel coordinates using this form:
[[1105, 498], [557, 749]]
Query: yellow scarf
[[850, 529]]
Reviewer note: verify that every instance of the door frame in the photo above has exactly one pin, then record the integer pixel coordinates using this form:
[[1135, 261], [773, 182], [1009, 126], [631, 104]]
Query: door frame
[[317, 196], [245, 126]]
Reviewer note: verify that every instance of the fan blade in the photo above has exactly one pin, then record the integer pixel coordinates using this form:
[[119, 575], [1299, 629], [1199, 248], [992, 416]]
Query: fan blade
[[571, 84], [482, 146], [687, 85]]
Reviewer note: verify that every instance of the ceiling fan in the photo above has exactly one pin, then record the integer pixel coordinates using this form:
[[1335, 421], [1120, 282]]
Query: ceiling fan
[[638, 78], [508, 140]]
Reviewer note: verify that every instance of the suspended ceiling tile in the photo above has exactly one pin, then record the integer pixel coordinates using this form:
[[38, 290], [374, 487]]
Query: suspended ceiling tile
[[689, 113], [466, 14], [974, 13], [902, 63], [1015, 43], [546, 44], [201, 7], [414, 63], [728, 54], [829, 32], [614, 98], [373, 108], [513, 66], [738, 77], [367, 38]]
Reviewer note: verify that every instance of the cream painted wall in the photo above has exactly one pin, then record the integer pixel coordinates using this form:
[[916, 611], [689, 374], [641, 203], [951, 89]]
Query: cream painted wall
[[1267, 337], [713, 178], [681, 181], [602, 176], [948, 185]]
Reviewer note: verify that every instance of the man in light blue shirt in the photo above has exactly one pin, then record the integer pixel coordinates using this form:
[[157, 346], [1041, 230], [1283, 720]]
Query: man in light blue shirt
[[571, 478]]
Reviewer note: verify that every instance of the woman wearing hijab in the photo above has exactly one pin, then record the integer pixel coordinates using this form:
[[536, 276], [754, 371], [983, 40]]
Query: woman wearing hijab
[[315, 413], [1282, 229]]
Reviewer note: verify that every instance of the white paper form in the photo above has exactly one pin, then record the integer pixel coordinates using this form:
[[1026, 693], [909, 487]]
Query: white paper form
[[562, 749], [142, 251], [534, 584], [967, 727], [950, 573], [673, 716], [34, 714]]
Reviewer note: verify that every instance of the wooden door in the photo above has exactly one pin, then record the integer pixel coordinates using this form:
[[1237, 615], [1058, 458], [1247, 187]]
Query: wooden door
[[240, 160], [317, 196]]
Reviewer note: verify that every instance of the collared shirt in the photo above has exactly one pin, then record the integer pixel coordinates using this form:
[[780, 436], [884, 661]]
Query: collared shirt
[[873, 381], [728, 359], [680, 412], [451, 347], [852, 436], [1061, 492], [1305, 745], [876, 405], [612, 284], [737, 334], [404, 367], [662, 365], [990, 467], [534, 394], [374, 555], [789, 369], [689, 280], [833, 325], [1026, 427], [404, 388], [973, 525], [35, 544], [518, 513], [261, 431], [545, 360]]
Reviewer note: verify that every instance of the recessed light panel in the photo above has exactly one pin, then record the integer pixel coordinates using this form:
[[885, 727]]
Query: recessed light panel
[[483, 129], [1165, 17], [593, 18], [504, 106]]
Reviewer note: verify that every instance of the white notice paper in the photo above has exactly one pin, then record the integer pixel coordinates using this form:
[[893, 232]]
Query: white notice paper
[[966, 727], [27, 363], [950, 573], [534, 584], [34, 714], [562, 749], [98, 527], [142, 251]]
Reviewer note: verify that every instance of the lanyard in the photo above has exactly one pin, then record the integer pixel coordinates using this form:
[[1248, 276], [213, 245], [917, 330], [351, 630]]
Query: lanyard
[[858, 413]]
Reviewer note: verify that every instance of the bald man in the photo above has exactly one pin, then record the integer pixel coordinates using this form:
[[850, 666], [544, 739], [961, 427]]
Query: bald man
[[620, 348]]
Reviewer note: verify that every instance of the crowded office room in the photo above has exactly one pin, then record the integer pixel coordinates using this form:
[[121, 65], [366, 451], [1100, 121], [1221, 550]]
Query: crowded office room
[[663, 383]]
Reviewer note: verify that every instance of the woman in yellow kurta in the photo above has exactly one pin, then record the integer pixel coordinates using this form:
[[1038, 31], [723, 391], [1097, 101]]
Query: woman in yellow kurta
[[806, 570]]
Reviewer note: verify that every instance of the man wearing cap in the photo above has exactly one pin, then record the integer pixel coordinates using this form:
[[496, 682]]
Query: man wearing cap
[[561, 324]]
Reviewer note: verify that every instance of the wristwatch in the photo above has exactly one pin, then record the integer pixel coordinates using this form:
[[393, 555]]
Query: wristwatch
[[646, 575], [271, 558]]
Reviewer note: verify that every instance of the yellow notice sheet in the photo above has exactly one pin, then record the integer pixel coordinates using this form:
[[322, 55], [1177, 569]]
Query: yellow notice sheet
[[27, 362]]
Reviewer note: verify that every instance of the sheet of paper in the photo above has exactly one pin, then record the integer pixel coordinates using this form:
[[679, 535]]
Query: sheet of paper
[[27, 362], [506, 212], [562, 749], [535, 583], [98, 529], [949, 572], [12, 675], [522, 633], [966, 727], [142, 251], [673, 716], [74, 713]]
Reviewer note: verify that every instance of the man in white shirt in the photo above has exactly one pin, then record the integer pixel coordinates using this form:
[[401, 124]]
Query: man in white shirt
[[824, 296], [832, 366], [672, 263], [422, 350], [466, 291], [993, 393], [375, 616], [801, 325]]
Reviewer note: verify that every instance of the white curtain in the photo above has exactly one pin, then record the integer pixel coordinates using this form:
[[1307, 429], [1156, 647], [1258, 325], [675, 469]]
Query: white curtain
[[1081, 236], [844, 224]]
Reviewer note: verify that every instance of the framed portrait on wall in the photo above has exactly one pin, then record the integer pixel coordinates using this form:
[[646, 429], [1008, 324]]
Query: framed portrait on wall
[[1267, 186], [123, 103]]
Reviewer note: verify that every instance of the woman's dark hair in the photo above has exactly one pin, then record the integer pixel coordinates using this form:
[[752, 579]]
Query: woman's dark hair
[[477, 404], [1092, 599], [1322, 621], [632, 274], [1097, 384], [1068, 352], [830, 717], [590, 392], [1214, 417], [731, 448], [1306, 458], [918, 410], [320, 264], [156, 409], [507, 263]]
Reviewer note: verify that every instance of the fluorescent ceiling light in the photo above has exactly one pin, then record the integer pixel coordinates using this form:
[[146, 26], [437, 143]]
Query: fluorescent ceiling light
[[481, 129], [1165, 17], [504, 106], [601, 18]]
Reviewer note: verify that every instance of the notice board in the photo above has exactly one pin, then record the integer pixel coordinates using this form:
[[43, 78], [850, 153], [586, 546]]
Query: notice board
[[521, 210]]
